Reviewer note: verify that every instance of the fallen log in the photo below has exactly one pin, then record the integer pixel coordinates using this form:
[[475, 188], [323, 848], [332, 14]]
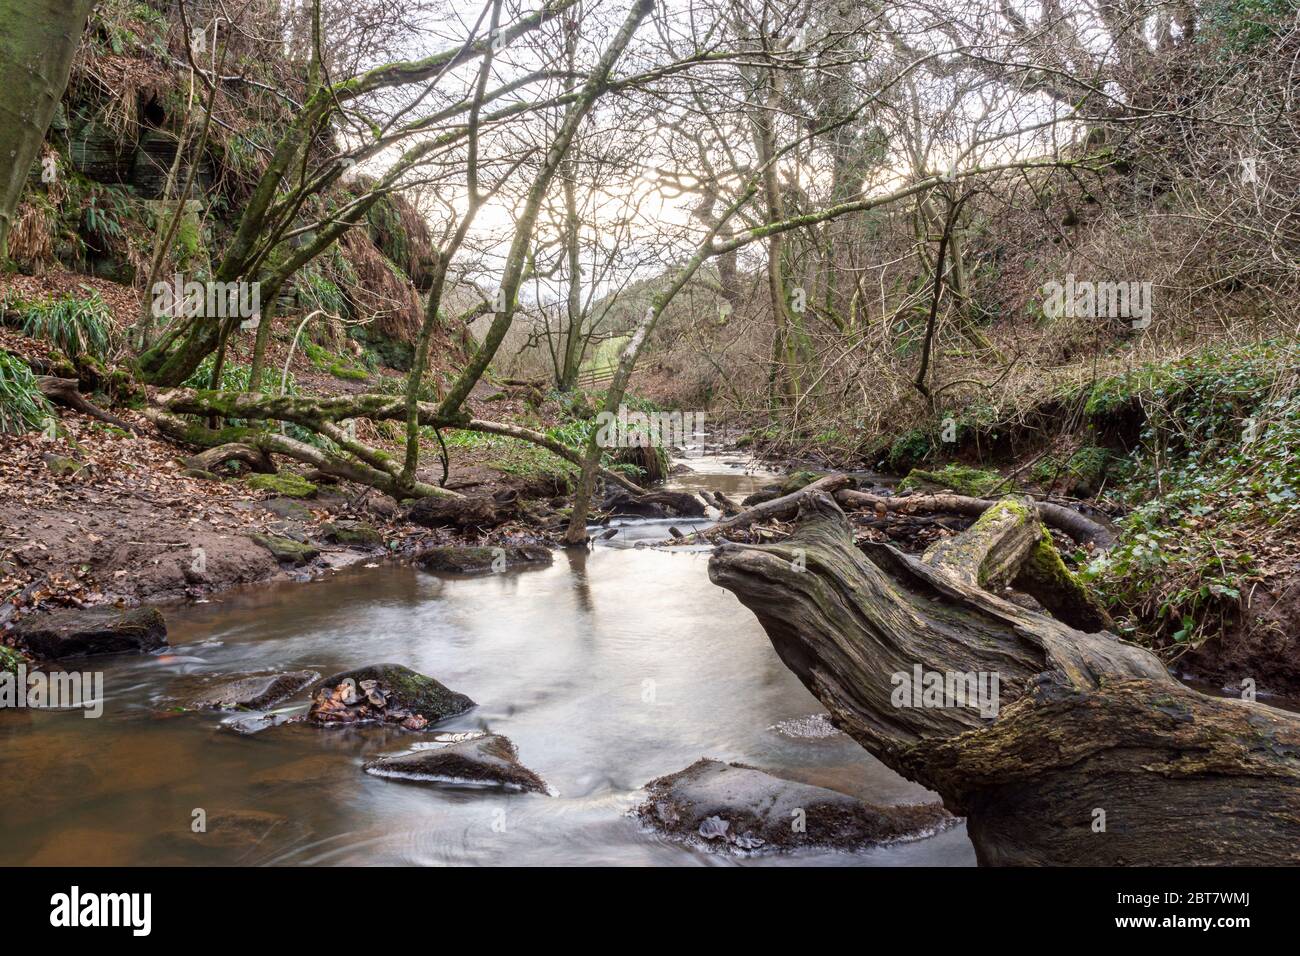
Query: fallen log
[[64, 391], [784, 507], [725, 505], [1060, 747], [269, 442], [1079, 527], [322, 415]]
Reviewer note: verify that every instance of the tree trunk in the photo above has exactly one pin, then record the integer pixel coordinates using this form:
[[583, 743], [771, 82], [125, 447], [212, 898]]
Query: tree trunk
[[1086, 751], [38, 39]]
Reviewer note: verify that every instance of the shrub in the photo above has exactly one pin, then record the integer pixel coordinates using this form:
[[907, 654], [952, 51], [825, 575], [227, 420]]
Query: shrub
[[76, 325], [22, 406]]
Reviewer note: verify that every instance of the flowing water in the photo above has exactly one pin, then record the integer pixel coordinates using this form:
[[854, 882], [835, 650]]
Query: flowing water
[[607, 669]]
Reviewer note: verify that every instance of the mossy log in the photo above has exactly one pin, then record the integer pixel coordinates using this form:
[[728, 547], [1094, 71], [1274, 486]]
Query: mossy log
[[267, 443], [322, 415], [1092, 754]]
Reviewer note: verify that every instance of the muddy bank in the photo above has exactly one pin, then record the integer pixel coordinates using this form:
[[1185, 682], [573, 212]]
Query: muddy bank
[[102, 517]]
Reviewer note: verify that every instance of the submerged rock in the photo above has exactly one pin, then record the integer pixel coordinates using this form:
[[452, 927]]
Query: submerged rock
[[81, 632], [246, 836], [457, 560], [731, 805], [489, 760], [240, 691], [388, 693]]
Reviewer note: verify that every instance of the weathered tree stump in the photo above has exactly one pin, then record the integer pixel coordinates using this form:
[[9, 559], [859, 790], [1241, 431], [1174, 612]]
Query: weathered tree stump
[[1092, 753]]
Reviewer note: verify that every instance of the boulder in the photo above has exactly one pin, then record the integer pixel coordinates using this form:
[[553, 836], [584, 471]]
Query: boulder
[[743, 808], [489, 760], [81, 632], [240, 691], [451, 559], [388, 693], [653, 504], [352, 533]]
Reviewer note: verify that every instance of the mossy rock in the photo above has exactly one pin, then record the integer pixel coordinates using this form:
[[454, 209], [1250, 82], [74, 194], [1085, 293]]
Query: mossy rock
[[350, 372], [61, 466], [454, 559], [963, 479], [285, 483], [800, 479], [286, 549], [358, 533], [908, 450], [408, 690]]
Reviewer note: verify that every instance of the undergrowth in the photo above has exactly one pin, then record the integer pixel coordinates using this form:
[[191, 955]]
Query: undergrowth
[[1214, 485], [22, 406]]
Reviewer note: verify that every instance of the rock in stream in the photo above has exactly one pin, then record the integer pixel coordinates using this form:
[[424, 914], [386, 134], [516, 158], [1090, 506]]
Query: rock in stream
[[452, 559], [388, 693], [489, 760], [240, 691], [744, 808], [82, 632]]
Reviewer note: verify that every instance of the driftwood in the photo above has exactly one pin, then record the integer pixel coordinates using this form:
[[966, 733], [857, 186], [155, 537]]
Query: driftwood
[[1058, 745], [720, 501]]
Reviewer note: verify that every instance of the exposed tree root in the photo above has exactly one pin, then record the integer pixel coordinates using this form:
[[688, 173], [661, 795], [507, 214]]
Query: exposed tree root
[[255, 458]]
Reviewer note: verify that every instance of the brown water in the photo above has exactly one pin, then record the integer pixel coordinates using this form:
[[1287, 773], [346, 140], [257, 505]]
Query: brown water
[[607, 670]]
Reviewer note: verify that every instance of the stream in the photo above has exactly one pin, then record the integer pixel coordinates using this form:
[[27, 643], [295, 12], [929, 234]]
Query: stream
[[607, 669]]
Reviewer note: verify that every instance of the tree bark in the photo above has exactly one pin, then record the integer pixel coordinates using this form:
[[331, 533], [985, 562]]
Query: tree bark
[[64, 391], [38, 39], [1093, 754]]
